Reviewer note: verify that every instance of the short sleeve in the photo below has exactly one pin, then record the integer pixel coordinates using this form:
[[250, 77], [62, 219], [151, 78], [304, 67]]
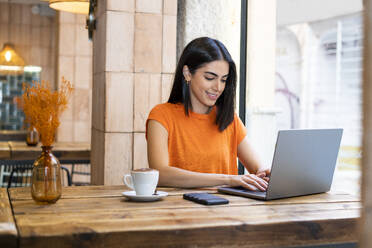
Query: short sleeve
[[159, 114], [241, 131]]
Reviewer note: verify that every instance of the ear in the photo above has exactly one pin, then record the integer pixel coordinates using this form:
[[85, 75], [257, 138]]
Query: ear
[[186, 73]]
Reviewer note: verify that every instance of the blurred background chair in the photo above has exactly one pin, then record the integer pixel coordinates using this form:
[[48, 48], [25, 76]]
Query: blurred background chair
[[17, 173], [80, 170]]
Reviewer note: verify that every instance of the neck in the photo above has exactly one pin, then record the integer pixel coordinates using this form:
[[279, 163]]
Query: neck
[[209, 110], [203, 110]]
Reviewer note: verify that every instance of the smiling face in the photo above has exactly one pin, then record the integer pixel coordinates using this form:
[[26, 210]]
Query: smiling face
[[206, 84]]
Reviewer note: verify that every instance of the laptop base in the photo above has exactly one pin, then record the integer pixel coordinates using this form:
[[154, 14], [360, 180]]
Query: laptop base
[[243, 192]]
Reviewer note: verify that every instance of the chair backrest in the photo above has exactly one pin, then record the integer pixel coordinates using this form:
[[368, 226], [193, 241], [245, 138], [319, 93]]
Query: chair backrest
[[80, 171], [18, 173], [19, 170], [20, 176]]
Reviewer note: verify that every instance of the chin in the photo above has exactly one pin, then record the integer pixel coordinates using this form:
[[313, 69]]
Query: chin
[[209, 104], [212, 103]]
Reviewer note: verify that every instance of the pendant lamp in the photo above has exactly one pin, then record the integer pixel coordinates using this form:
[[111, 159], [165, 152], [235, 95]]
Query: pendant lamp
[[9, 59], [73, 6]]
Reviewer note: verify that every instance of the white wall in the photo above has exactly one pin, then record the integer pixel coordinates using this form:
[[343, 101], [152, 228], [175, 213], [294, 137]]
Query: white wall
[[218, 19]]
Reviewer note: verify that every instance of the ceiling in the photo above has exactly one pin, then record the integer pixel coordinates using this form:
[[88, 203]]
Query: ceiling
[[25, 1], [299, 11], [288, 11]]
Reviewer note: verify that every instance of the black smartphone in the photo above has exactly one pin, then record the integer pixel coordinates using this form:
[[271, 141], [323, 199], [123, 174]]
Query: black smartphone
[[205, 198]]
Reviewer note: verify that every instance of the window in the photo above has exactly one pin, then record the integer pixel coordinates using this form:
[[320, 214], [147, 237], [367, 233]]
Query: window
[[11, 116], [318, 80]]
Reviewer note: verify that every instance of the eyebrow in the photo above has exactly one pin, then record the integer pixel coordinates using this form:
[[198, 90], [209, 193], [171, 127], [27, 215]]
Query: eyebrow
[[214, 74]]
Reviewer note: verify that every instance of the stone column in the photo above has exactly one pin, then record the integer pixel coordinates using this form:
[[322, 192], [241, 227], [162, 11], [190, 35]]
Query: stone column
[[134, 56], [366, 215], [75, 64]]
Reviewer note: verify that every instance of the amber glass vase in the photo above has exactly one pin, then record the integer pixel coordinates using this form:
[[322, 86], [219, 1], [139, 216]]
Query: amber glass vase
[[32, 137], [46, 184]]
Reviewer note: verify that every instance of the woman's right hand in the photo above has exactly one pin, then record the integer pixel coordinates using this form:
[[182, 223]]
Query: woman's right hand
[[248, 181]]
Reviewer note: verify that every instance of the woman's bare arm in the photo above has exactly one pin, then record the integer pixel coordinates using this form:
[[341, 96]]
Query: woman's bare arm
[[158, 157], [250, 160]]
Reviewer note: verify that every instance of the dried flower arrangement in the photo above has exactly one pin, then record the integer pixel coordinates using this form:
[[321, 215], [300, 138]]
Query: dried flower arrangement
[[42, 107]]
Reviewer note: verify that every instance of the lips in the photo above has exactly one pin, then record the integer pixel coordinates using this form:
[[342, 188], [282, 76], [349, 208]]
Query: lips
[[212, 96]]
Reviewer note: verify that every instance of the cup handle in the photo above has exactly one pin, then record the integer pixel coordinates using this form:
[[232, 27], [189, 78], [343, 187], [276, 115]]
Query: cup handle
[[129, 182]]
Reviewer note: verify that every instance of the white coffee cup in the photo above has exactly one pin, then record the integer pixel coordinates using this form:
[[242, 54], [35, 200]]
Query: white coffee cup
[[143, 181]]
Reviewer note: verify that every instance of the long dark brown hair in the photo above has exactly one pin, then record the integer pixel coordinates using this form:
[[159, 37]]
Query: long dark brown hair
[[196, 54]]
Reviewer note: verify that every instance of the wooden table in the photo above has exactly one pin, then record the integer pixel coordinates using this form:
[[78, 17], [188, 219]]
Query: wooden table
[[4, 150], [63, 150], [98, 216]]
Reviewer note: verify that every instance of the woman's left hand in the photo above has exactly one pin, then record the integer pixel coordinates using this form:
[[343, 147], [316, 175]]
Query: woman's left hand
[[264, 174]]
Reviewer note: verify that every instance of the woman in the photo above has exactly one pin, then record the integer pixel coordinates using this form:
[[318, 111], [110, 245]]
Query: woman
[[194, 139]]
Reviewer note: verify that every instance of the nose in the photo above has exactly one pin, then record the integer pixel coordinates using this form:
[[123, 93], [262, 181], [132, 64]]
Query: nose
[[218, 86]]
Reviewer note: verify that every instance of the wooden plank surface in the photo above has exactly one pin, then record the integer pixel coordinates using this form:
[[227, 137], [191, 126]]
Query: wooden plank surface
[[98, 216], [8, 230], [62, 150], [98, 191], [4, 150]]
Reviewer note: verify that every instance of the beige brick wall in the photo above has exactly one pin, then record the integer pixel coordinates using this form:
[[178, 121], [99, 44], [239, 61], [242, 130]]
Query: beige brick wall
[[155, 62], [134, 50], [75, 64], [33, 36], [60, 46]]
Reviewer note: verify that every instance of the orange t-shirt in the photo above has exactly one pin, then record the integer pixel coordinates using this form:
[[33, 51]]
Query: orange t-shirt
[[194, 141]]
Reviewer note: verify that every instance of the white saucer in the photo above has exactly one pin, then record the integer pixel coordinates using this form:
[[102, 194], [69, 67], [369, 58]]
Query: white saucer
[[131, 195]]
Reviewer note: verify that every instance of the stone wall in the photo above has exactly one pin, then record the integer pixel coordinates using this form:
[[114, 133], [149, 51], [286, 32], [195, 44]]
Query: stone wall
[[134, 54], [32, 35], [75, 64]]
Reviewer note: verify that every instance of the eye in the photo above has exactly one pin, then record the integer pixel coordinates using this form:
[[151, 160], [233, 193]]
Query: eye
[[224, 81], [209, 78]]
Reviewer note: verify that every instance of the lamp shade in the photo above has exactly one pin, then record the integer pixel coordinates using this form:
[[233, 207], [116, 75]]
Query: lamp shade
[[10, 60], [73, 6]]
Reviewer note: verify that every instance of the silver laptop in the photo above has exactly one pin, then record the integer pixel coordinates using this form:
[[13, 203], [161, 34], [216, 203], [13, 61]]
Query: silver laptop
[[304, 162]]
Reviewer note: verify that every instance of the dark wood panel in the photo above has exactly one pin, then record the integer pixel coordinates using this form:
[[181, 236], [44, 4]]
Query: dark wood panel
[[14, 135], [273, 235]]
